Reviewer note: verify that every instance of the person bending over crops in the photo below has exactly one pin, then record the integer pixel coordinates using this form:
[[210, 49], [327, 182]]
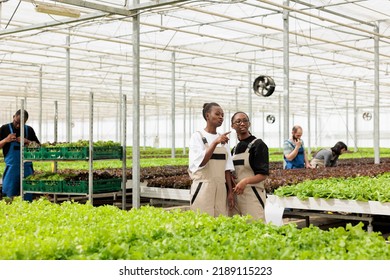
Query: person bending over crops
[[294, 152], [210, 165], [329, 157], [251, 164]]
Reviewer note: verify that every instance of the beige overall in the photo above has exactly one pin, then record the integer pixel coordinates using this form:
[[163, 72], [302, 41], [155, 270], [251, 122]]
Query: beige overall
[[252, 200], [317, 162], [208, 190]]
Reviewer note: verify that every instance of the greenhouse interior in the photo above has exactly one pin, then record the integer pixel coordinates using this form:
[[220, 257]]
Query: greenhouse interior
[[115, 93]]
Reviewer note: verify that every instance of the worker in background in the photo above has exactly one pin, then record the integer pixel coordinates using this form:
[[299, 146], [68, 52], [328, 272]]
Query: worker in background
[[210, 166], [294, 152], [251, 163], [10, 143], [329, 157]]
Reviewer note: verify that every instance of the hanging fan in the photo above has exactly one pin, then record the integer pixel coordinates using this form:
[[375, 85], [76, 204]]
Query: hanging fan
[[367, 116], [264, 86], [270, 119]]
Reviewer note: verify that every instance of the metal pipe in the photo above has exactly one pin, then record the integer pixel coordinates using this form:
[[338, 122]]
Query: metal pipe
[[286, 69], [355, 118], [173, 105], [184, 119], [120, 108], [339, 23], [22, 135], [144, 121], [308, 117], [280, 121], [40, 104], [376, 100], [136, 113], [250, 91], [68, 114], [236, 96], [323, 9], [346, 123], [124, 145], [55, 164], [263, 124], [316, 121], [90, 154]]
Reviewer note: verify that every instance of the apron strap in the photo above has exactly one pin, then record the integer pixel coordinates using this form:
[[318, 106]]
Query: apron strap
[[25, 130], [248, 147], [204, 140], [251, 144], [10, 128]]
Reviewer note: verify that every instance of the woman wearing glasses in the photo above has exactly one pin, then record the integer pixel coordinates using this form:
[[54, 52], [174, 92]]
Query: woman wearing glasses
[[251, 163], [210, 166]]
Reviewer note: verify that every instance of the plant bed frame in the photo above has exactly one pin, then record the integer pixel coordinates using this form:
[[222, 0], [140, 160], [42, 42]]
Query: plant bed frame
[[317, 206]]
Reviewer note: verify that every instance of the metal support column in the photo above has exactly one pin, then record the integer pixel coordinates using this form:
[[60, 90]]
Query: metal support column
[[346, 122], [144, 121], [190, 120], [124, 129], [250, 91], [280, 122], [308, 117], [119, 113], [21, 147], [316, 122], [236, 96], [286, 69], [263, 123], [136, 113], [355, 118], [184, 119], [376, 101], [40, 104], [173, 105], [68, 114], [90, 155], [158, 122], [55, 131]]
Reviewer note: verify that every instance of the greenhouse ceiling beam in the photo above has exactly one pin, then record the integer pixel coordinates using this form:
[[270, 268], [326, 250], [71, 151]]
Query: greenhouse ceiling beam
[[324, 9], [50, 24], [213, 55], [127, 11], [373, 33], [272, 28], [200, 66], [183, 64], [199, 93], [80, 83]]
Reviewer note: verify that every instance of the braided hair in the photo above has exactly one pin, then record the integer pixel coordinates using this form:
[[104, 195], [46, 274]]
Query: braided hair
[[207, 108]]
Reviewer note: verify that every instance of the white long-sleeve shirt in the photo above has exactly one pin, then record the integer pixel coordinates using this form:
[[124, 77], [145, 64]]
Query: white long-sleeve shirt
[[197, 151]]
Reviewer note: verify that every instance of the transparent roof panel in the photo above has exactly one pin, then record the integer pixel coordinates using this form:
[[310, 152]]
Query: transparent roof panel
[[219, 48]]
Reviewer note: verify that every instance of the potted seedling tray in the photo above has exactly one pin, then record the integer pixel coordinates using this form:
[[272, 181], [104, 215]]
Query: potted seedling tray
[[98, 152], [99, 186]]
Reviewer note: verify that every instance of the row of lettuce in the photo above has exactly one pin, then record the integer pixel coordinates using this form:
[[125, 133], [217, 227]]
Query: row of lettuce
[[70, 231], [362, 188]]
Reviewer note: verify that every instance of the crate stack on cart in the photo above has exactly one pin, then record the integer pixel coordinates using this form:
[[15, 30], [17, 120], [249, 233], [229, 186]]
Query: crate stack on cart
[[77, 151]]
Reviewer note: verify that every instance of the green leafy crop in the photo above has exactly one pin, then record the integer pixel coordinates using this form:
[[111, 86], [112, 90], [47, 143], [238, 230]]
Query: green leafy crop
[[42, 230], [359, 188]]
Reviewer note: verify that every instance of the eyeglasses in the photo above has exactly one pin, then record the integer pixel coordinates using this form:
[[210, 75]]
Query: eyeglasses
[[238, 122]]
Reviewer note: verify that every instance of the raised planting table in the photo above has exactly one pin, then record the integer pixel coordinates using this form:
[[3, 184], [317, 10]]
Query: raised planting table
[[351, 209]]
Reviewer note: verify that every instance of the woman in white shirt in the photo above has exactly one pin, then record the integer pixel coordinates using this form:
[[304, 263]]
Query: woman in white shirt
[[210, 165]]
